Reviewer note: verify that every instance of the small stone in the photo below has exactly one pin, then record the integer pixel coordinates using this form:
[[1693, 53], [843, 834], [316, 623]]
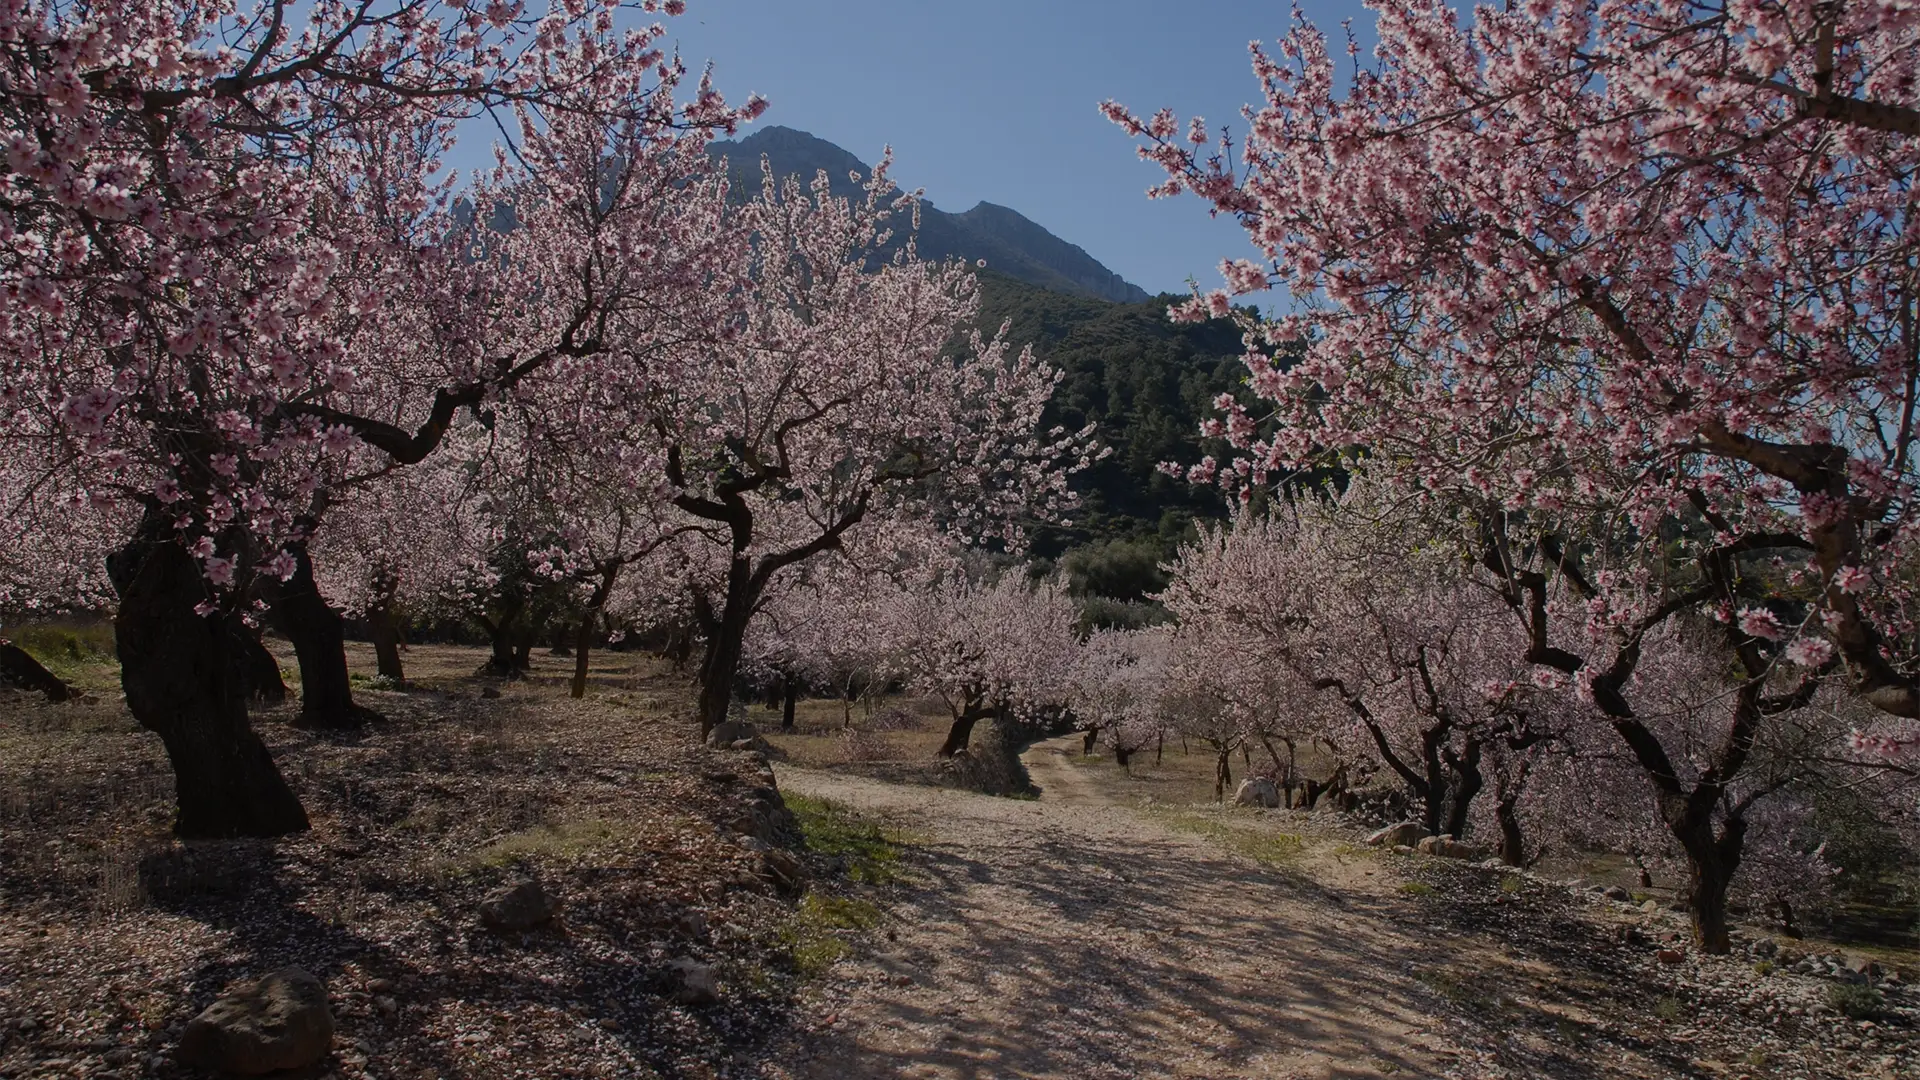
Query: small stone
[[520, 906], [279, 1022], [379, 986], [1651, 907], [1403, 834], [490, 693], [1670, 956], [386, 1005], [1615, 892], [697, 985]]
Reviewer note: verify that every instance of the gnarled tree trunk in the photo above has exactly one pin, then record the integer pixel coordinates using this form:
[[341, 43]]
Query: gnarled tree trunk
[[296, 609], [259, 672], [180, 673], [383, 626]]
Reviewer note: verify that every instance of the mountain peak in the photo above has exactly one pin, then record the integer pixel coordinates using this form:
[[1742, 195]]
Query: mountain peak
[[1009, 241]]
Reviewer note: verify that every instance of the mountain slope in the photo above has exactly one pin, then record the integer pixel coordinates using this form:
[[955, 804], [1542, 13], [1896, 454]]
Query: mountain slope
[[1009, 242]]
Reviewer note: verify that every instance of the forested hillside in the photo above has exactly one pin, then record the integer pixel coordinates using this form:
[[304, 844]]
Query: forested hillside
[[1147, 382]]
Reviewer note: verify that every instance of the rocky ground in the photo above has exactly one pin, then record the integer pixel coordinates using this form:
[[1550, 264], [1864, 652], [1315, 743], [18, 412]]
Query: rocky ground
[[655, 853], [681, 926]]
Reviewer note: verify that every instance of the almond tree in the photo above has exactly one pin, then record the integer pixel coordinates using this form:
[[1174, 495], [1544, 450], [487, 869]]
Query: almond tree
[[1000, 651], [234, 279], [1632, 284], [840, 398], [1119, 683]]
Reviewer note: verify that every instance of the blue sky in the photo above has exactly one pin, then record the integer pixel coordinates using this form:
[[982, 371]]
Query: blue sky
[[996, 100]]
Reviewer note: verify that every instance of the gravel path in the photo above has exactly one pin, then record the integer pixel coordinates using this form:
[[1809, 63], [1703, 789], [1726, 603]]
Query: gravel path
[[1069, 937]]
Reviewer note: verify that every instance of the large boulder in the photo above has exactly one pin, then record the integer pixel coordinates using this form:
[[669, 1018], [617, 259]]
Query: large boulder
[[1405, 834], [1257, 791], [520, 906], [727, 732], [277, 1022], [1446, 847]]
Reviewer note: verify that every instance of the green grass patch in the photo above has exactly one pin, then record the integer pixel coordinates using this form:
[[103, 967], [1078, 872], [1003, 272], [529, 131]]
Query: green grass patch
[[1260, 845], [815, 935], [870, 851], [1855, 1002], [1511, 884], [1668, 1008], [1764, 968], [77, 652], [1452, 987], [1417, 888], [560, 840]]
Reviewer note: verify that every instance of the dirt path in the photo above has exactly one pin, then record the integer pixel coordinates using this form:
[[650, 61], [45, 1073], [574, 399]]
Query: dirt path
[[1072, 938]]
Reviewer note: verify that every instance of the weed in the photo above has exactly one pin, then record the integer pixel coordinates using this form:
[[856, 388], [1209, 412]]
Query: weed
[[813, 934], [1511, 884], [1452, 987], [1272, 848], [1668, 1008], [1764, 968], [1756, 1059], [1417, 888], [870, 852], [554, 841], [1855, 1002]]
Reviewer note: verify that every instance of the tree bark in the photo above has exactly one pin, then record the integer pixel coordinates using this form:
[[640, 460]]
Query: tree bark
[[259, 671], [19, 668], [382, 626], [790, 698], [1086, 741], [1513, 848], [296, 609], [962, 730], [181, 676], [1711, 862], [722, 663], [1222, 774], [1466, 784]]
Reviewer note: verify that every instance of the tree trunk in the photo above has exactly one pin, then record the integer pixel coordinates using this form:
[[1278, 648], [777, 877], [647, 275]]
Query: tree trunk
[[1121, 755], [790, 698], [1222, 774], [1711, 862], [181, 678], [722, 662], [19, 668], [1159, 748], [297, 610], [1513, 849], [1087, 741], [383, 626], [582, 646], [259, 671], [962, 730], [1466, 785]]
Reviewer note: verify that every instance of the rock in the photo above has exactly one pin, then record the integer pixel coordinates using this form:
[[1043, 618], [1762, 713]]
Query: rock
[[489, 692], [1862, 966], [1446, 847], [1765, 947], [1257, 791], [520, 906], [727, 732], [1670, 956], [697, 985], [755, 745], [784, 867], [1406, 833], [1651, 907], [1615, 892], [386, 1005], [280, 1021]]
